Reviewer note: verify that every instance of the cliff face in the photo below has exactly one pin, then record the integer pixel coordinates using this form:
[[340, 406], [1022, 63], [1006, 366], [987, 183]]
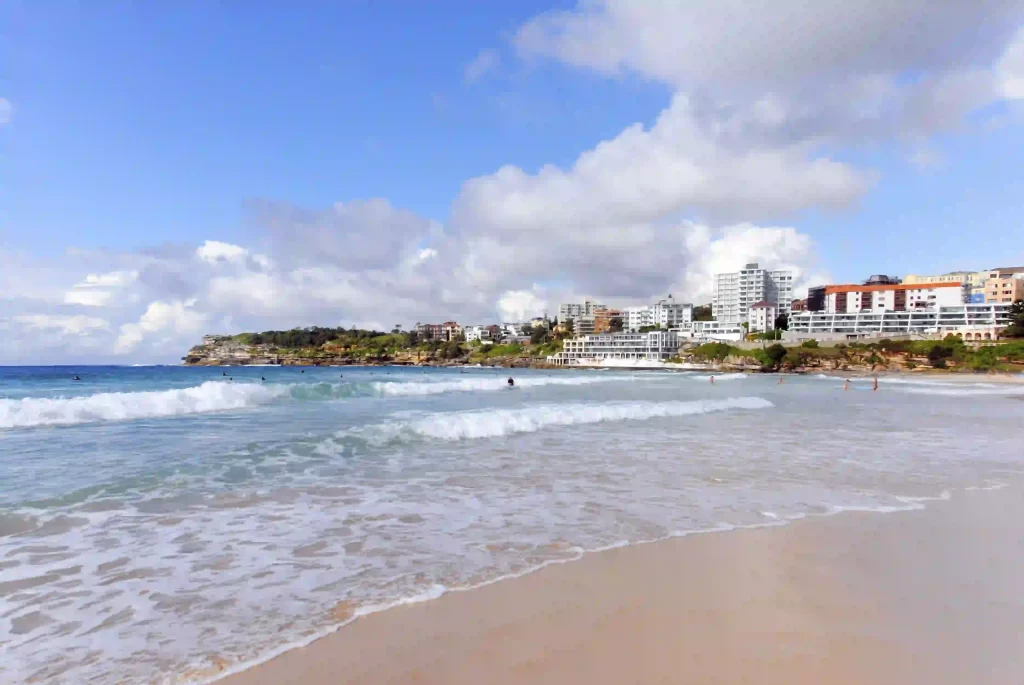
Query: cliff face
[[235, 351]]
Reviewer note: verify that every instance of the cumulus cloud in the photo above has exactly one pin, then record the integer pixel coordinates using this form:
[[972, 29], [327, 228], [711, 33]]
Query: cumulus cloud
[[63, 325], [765, 94], [97, 290], [485, 61], [788, 45], [166, 321]]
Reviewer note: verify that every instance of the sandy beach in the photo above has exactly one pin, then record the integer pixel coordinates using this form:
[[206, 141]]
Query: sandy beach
[[926, 596]]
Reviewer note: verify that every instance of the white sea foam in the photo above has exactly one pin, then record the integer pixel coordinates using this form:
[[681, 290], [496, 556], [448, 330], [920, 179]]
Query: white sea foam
[[498, 422], [968, 391], [481, 384], [210, 396], [718, 376]]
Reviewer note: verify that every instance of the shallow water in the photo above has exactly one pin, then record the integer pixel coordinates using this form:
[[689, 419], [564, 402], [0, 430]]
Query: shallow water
[[161, 523]]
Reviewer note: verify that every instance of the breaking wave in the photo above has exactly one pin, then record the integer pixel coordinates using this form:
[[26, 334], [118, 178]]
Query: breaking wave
[[481, 384], [468, 425], [210, 396]]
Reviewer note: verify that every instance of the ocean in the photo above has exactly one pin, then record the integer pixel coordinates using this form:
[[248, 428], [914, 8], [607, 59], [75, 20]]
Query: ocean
[[171, 524]]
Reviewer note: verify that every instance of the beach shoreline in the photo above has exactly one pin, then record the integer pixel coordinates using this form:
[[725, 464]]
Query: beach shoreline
[[814, 600]]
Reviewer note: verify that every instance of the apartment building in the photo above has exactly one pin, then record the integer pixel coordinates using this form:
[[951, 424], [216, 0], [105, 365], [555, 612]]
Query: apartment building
[[571, 310], [666, 313], [480, 333], [650, 346], [734, 293], [851, 299], [973, 282], [761, 318], [958, 318], [1004, 285]]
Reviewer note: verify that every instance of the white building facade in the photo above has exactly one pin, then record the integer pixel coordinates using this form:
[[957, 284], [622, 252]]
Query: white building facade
[[666, 313], [650, 346], [481, 333], [954, 319], [571, 310], [761, 317], [734, 293], [852, 299]]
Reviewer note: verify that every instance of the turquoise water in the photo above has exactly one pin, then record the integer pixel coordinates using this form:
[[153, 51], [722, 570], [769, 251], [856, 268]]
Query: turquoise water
[[157, 523]]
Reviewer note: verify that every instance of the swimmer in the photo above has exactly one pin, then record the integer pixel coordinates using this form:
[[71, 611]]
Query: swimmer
[[511, 383], [262, 378], [712, 380], [846, 384], [76, 378]]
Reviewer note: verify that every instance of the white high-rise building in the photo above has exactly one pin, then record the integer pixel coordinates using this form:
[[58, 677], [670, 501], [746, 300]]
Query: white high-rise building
[[735, 293], [666, 313], [574, 310]]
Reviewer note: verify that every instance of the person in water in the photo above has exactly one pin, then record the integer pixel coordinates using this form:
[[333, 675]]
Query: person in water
[[846, 384], [511, 383], [76, 378], [712, 380], [874, 386]]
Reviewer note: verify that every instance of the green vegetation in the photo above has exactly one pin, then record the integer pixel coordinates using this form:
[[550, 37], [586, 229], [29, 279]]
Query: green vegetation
[[949, 353], [318, 345], [702, 313], [1016, 328]]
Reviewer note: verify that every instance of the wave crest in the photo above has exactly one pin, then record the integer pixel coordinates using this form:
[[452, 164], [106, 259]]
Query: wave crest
[[492, 423], [210, 396]]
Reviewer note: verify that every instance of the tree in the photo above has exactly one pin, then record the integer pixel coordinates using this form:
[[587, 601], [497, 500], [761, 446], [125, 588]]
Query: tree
[[648, 329], [539, 336], [615, 324], [782, 322], [1016, 328], [702, 313]]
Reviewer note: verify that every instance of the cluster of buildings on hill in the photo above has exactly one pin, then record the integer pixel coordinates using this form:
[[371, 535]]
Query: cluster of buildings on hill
[[974, 305]]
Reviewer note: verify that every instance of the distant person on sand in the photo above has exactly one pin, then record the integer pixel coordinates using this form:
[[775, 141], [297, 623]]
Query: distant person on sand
[[511, 383]]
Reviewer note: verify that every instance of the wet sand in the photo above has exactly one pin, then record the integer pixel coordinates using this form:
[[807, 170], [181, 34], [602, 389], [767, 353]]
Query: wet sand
[[932, 596]]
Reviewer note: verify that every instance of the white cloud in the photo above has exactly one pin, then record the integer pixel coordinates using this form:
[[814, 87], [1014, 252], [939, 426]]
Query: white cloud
[[171, 320], [61, 325], [6, 111], [97, 290], [213, 251], [520, 305], [784, 45], [1010, 69], [485, 61]]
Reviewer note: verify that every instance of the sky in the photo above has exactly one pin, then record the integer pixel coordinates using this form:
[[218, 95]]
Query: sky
[[174, 169]]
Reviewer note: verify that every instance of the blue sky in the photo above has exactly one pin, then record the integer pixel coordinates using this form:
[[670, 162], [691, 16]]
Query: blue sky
[[182, 164]]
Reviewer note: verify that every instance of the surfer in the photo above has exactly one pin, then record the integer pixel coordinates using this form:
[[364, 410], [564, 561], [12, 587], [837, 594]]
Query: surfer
[[511, 383]]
